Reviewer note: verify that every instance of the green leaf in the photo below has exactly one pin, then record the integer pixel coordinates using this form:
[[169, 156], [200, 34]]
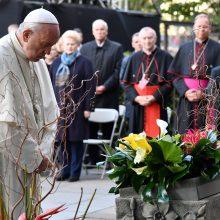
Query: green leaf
[[213, 153], [176, 168], [147, 192], [123, 155], [137, 182], [114, 190], [156, 155], [163, 172], [167, 138], [177, 137], [117, 172], [200, 146], [162, 193], [179, 175], [109, 150], [211, 173], [171, 152]]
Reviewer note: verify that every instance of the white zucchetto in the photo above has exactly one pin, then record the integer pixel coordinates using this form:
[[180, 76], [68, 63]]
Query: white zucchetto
[[42, 16]]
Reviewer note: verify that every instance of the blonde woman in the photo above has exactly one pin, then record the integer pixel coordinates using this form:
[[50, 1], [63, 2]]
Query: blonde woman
[[74, 86], [49, 58]]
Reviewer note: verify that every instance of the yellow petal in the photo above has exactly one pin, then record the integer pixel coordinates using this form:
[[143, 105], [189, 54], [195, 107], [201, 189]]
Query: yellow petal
[[137, 140], [131, 139], [142, 143], [122, 146]]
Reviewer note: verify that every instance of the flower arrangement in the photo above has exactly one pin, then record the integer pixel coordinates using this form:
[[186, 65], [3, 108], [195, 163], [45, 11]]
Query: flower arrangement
[[158, 163]]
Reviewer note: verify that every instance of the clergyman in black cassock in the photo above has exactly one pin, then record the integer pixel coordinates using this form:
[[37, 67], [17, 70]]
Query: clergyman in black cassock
[[149, 65], [190, 71]]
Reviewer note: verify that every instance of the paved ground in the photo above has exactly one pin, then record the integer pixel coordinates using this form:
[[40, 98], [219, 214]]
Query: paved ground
[[102, 206]]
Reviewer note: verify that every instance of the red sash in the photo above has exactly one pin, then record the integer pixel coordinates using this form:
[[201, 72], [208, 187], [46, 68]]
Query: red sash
[[151, 113]]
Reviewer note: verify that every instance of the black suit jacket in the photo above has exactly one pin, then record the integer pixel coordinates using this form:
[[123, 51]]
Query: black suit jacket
[[108, 75]]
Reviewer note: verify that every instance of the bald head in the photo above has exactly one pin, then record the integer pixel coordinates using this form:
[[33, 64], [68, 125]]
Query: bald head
[[38, 33]]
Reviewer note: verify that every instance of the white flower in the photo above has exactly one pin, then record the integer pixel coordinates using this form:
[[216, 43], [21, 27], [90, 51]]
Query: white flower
[[142, 135], [163, 125], [140, 170], [140, 155]]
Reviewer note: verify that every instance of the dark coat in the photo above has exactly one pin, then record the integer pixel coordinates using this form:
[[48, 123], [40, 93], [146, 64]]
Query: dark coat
[[108, 65], [157, 74], [78, 95], [192, 114], [214, 96]]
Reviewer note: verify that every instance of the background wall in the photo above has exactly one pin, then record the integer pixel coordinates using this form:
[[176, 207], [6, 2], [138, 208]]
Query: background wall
[[121, 24]]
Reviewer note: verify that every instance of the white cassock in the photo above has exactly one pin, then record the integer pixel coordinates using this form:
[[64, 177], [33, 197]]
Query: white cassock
[[28, 121]]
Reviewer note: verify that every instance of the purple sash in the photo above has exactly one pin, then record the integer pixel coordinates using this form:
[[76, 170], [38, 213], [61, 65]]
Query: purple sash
[[196, 83]]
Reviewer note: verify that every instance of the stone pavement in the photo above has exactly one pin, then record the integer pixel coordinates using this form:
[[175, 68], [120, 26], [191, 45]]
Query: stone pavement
[[102, 206]]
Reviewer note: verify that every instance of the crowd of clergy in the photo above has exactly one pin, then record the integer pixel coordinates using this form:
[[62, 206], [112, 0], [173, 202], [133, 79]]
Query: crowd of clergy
[[147, 78]]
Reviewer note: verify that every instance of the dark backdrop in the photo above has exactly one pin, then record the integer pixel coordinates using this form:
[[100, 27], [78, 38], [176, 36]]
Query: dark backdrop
[[121, 24]]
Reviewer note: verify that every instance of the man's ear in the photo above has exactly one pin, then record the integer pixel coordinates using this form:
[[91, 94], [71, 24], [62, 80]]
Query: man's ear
[[26, 35]]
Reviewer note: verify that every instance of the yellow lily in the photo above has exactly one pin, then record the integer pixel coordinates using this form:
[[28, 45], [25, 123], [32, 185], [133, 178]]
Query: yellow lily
[[137, 141]]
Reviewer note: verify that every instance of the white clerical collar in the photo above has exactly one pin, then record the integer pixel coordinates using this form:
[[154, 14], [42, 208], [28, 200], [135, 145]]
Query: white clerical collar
[[17, 45], [100, 44], [150, 52]]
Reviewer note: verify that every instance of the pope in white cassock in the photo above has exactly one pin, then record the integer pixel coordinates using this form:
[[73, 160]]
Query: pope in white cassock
[[28, 108]]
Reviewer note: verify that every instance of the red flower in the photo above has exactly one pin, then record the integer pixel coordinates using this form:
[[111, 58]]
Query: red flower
[[50, 212], [45, 215]]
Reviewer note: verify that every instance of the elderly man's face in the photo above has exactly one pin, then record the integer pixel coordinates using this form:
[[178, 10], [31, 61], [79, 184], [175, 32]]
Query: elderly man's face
[[202, 28], [100, 32], [38, 43], [148, 40]]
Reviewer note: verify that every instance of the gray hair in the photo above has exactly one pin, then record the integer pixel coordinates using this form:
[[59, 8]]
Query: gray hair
[[145, 29], [28, 25], [203, 16], [99, 22]]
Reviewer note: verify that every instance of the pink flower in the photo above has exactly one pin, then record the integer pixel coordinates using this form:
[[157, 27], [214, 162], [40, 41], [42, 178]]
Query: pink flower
[[193, 136], [22, 217]]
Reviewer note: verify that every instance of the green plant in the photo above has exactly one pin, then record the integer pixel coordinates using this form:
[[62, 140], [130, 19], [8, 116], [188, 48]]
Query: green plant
[[158, 163]]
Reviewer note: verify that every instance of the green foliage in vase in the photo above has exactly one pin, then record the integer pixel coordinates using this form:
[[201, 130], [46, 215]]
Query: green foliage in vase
[[152, 165]]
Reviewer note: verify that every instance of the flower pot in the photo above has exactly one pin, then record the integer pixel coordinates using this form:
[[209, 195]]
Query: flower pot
[[190, 199]]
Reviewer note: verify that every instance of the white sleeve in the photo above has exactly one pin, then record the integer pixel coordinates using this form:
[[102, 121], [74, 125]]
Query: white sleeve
[[19, 145]]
